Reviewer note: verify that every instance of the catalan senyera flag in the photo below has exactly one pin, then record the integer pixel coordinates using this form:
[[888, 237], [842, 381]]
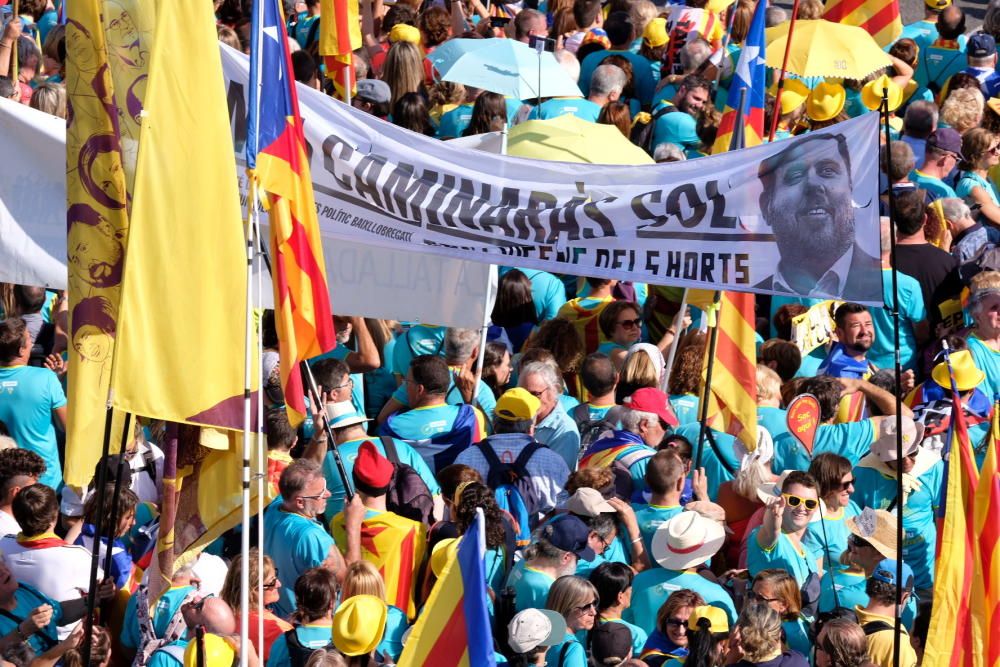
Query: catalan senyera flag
[[339, 36], [97, 235], [182, 319], [455, 626], [396, 546], [986, 518], [732, 401], [955, 637], [750, 78], [276, 154], [880, 18]]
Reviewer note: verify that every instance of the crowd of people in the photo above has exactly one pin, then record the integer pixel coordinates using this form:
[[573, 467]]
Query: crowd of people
[[615, 533]]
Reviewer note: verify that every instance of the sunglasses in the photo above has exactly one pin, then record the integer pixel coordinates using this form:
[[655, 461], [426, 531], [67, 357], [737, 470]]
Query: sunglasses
[[795, 501], [675, 623], [591, 606], [200, 603], [754, 595], [848, 484], [274, 582], [630, 324], [858, 542]]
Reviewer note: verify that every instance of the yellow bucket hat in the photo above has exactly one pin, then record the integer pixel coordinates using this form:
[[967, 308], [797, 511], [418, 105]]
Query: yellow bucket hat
[[655, 33], [402, 32], [218, 652], [358, 624], [793, 94], [871, 93], [967, 376], [825, 101]]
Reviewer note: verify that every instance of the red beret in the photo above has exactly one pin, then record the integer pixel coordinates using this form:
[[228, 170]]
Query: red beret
[[371, 468]]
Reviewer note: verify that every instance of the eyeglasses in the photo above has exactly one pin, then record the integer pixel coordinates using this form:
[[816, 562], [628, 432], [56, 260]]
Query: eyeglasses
[[273, 583], [754, 595], [675, 623], [349, 383], [795, 501], [630, 324], [605, 542], [200, 603], [995, 150], [846, 485], [587, 608], [537, 394], [315, 497], [858, 542]]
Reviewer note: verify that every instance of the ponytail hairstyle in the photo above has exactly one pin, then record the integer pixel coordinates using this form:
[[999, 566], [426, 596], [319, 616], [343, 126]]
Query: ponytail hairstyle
[[703, 638], [475, 495]]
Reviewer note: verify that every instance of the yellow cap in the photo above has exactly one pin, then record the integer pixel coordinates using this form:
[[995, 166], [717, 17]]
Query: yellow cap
[[402, 32], [516, 405], [871, 93], [655, 33], [793, 94], [716, 617], [358, 624], [937, 4], [218, 652], [442, 553], [825, 101]]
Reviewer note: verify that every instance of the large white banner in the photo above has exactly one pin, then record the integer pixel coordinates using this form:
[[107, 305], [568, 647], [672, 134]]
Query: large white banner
[[797, 216], [363, 279]]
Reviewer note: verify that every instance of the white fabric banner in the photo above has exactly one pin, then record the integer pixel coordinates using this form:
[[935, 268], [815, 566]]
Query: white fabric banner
[[798, 216]]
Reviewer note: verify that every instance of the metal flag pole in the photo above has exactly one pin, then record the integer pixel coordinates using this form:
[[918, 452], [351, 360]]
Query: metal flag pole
[[781, 77], [703, 406], [347, 81], [897, 630], [261, 458]]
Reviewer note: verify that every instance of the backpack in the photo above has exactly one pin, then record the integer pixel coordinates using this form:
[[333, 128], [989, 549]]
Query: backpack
[[987, 259], [641, 133], [298, 654], [149, 642], [408, 494], [509, 481], [592, 430]]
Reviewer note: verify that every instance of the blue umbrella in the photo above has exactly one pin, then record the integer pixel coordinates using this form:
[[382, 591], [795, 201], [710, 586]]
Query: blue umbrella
[[503, 66]]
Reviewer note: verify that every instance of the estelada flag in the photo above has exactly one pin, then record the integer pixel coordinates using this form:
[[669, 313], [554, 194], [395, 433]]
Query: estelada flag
[[750, 79], [276, 154], [986, 519], [454, 628], [339, 36], [879, 17], [395, 545]]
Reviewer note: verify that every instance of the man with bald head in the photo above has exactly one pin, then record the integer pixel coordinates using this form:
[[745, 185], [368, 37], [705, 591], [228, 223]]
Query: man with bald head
[[946, 55], [211, 613]]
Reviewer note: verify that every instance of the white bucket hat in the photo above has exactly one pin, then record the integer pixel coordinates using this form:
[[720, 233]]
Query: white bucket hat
[[686, 540]]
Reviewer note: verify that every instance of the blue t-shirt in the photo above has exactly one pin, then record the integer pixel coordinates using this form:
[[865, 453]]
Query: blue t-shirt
[[454, 122], [650, 518], [163, 611], [312, 636], [783, 555], [935, 187], [642, 72], [296, 544], [574, 655], [530, 585], [28, 395], [419, 425], [348, 454], [911, 311], [561, 106], [651, 588], [969, 180], [685, 406]]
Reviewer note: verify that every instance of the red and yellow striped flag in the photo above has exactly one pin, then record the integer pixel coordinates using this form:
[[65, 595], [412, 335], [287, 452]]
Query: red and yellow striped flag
[[732, 402], [955, 637], [340, 35], [879, 17], [986, 518]]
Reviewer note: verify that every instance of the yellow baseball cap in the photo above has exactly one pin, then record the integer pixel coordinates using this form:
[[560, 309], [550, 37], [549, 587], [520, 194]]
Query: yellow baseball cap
[[937, 4], [217, 652], [718, 622], [793, 94], [655, 33], [358, 624], [871, 93], [403, 32], [517, 404], [825, 101]]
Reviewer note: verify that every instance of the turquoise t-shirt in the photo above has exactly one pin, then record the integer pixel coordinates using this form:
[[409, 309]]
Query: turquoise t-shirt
[[311, 636], [811, 363], [778, 301], [851, 592], [970, 180], [988, 361], [678, 128], [417, 340], [163, 611], [651, 588], [162, 658], [395, 627], [836, 533], [28, 395], [358, 379], [912, 310], [27, 599], [485, 398], [419, 425], [530, 585], [642, 72], [454, 122], [775, 420], [715, 472], [380, 383], [851, 440], [349, 452], [933, 185], [651, 517], [547, 292], [574, 656], [783, 555], [296, 544], [878, 491], [577, 106], [639, 636], [685, 406], [789, 454], [797, 635]]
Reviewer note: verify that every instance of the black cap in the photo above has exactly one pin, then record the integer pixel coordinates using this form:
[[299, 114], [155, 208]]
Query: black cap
[[611, 643]]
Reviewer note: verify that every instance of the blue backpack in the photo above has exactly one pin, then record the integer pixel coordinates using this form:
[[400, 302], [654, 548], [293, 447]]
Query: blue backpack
[[509, 480]]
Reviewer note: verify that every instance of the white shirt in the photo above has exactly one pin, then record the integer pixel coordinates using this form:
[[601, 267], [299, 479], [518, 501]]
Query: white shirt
[[8, 525], [142, 483], [831, 283]]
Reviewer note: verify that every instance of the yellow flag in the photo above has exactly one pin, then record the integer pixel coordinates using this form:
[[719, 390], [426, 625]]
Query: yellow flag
[[183, 306]]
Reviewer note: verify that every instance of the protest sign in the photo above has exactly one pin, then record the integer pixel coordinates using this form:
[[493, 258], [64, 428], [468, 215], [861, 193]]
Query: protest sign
[[814, 327], [798, 216]]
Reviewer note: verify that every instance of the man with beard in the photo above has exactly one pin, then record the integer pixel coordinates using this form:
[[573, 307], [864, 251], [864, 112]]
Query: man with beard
[[681, 129], [855, 333], [807, 201]]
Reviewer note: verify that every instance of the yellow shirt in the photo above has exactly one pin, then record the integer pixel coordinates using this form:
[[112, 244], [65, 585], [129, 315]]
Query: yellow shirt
[[880, 644]]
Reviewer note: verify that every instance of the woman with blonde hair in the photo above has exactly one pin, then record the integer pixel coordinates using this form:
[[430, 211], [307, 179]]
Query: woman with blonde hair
[[980, 149], [274, 627], [963, 109], [842, 643], [50, 98], [738, 497], [780, 590], [403, 70], [363, 578], [759, 638], [643, 367], [577, 600], [984, 340]]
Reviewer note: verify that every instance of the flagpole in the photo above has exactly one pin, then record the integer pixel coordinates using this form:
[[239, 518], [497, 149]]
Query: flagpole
[[261, 458], [113, 528], [95, 555], [781, 77], [13, 51], [347, 82], [703, 407], [678, 321], [897, 630], [334, 448]]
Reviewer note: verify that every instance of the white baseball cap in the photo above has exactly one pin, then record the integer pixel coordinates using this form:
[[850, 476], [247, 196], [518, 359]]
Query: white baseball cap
[[535, 627]]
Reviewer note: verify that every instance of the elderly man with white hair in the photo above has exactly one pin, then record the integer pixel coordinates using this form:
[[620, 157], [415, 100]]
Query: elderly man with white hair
[[554, 428], [968, 236], [606, 85]]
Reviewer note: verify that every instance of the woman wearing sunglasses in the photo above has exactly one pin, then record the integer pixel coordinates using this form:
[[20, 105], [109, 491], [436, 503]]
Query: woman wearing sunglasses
[[622, 326], [778, 541], [576, 599], [274, 627], [670, 638], [778, 589], [827, 532]]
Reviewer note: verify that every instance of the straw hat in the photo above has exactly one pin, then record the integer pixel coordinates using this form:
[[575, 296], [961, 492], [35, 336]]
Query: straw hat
[[358, 624], [878, 528], [686, 540], [793, 94], [871, 93], [825, 101], [217, 652], [967, 376]]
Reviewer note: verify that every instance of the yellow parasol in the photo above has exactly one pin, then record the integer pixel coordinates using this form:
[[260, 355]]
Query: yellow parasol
[[570, 139], [825, 49]]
